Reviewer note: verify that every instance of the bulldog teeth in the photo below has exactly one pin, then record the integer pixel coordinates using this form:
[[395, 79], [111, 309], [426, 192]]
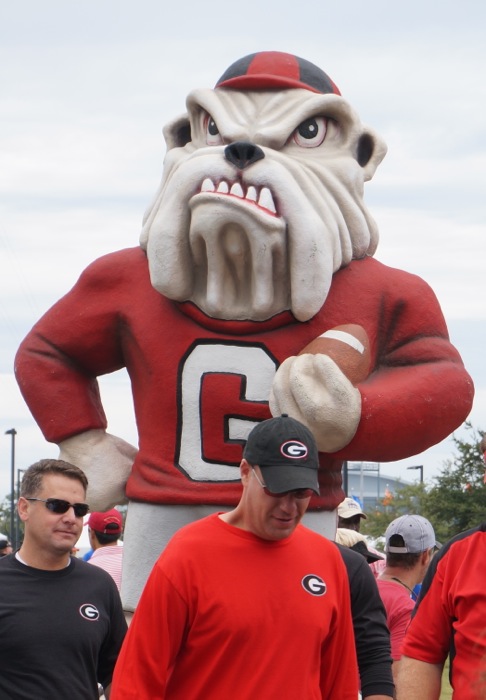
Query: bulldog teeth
[[251, 194], [208, 185], [237, 190], [263, 199], [223, 187]]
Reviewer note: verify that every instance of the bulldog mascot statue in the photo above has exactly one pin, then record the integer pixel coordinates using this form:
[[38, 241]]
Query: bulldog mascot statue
[[257, 243]]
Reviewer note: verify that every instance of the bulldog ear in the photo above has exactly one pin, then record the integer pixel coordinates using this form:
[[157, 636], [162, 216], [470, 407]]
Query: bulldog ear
[[371, 150], [177, 132]]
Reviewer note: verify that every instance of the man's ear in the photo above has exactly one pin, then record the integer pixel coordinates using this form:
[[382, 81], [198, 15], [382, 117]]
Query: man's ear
[[23, 508], [245, 471], [426, 556]]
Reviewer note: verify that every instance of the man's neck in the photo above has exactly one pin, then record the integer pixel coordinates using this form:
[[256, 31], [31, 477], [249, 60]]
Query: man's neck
[[43, 560], [407, 577]]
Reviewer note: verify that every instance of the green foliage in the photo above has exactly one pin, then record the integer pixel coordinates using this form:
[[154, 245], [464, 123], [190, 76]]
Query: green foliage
[[5, 524], [457, 499], [5, 516]]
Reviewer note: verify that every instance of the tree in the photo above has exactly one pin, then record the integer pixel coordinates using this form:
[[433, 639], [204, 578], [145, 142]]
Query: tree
[[16, 537], [5, 516], [456, 500]]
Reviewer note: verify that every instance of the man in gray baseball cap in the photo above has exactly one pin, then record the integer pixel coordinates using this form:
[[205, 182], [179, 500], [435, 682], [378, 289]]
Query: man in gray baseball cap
[[409, 545]]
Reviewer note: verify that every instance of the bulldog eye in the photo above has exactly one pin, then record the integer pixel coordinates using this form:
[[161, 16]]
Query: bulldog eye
[[213, 137], [311, 132]]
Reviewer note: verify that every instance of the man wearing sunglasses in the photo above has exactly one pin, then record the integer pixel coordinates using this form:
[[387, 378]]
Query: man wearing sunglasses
[[61, 619], [248, 603]]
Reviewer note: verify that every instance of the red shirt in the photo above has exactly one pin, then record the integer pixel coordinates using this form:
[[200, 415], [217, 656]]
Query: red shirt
[[398, 605], [228, 615], [451, 614]]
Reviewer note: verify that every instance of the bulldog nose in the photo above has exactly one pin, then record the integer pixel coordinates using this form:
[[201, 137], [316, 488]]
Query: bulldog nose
[[243, 153]]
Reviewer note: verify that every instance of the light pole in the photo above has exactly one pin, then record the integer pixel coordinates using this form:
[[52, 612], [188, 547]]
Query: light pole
[[12, 432], [419, 466]]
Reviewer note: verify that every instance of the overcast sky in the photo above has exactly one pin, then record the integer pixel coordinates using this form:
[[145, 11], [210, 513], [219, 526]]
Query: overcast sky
[[85, 89]]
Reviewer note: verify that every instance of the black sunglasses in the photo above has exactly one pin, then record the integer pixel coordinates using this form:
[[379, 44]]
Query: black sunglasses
[[57, 505]]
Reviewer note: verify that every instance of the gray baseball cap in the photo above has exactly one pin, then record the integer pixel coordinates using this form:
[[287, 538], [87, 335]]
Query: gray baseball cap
[[416, 532]]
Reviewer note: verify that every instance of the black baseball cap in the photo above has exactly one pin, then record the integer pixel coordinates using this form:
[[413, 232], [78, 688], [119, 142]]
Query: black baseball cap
[[286, 452]]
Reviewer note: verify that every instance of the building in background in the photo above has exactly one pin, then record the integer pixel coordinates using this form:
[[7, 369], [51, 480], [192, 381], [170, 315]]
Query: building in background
[[366, 482]]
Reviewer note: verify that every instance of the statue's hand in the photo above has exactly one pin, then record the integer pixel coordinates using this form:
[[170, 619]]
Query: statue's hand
[[312, 389], [106, 460]]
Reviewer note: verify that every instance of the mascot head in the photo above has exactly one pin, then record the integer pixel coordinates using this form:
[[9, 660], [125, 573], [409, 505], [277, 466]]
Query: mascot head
[[261, 199]]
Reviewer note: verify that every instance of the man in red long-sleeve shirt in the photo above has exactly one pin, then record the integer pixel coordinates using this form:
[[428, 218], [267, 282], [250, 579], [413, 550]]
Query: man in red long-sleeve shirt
[[248, 603]]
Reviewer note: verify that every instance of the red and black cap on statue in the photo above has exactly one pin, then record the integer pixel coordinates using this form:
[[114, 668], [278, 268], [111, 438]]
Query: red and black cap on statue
[[272, 70]]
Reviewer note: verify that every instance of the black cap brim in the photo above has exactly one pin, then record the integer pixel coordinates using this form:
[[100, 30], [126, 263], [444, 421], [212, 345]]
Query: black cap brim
[[362, 549], [280, 479]]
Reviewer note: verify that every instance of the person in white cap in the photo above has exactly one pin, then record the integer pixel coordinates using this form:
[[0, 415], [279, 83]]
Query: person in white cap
[[248, 603], [409, 545], [350, 515]]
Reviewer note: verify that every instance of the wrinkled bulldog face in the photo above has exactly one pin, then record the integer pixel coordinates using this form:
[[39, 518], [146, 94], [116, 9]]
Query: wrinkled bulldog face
[[261, 202]]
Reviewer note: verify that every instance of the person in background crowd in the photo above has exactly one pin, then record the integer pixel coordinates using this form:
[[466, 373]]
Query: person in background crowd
[[409, 546], [62, 621], [105, 530], [350, 515], [5, 547], [248, 603], [358, 543]]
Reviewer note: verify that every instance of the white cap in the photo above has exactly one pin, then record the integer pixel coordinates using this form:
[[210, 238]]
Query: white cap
[[349, 508]]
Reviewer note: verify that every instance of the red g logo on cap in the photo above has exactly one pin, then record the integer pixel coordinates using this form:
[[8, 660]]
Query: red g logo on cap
[[294, 449]]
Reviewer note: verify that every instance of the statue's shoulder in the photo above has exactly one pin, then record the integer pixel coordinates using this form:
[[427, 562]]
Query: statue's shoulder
[[128, 264], [119, 259], [377, 274]]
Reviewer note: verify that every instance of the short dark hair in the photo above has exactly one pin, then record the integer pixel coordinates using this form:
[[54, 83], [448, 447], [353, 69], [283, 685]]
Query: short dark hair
[[34, 475], [106, 537], [406, 560]]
